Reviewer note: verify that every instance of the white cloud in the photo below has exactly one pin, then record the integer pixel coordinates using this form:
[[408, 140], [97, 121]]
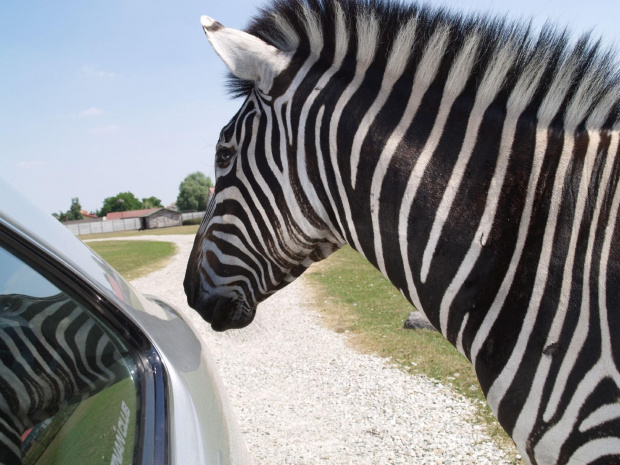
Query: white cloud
[[107, 129], [93, 70], [27, 165], [91, 112]]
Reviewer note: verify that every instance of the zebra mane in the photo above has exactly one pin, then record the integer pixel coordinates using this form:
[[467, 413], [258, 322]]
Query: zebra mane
[[569, 85]]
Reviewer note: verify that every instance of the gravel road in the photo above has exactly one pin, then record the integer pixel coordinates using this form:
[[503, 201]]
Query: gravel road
[[304, 397]]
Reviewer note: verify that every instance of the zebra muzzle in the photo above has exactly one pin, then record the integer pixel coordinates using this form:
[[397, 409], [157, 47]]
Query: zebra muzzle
[[223, 313]]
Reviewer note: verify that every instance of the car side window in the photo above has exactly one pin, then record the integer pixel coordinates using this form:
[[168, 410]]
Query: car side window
[[67, 381]]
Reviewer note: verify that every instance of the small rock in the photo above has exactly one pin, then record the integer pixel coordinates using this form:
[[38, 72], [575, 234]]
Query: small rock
[[418, 321]]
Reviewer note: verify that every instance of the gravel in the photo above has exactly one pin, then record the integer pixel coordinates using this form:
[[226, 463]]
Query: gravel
[[303, 396]]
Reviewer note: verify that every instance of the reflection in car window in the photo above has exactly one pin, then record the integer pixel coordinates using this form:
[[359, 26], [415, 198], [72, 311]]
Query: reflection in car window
[[18, 278], [67, 391]]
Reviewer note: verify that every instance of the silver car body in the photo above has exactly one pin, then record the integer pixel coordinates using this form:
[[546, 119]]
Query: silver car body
[[201, 427]]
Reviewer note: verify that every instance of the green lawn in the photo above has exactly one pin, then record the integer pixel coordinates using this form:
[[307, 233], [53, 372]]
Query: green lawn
[[355, 297], [189, 229], [133, 259]]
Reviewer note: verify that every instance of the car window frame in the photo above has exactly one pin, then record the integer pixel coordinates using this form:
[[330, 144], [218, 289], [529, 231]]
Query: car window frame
[[151, 445]]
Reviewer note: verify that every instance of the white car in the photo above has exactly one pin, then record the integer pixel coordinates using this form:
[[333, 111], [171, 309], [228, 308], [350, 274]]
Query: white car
[[91, 371]]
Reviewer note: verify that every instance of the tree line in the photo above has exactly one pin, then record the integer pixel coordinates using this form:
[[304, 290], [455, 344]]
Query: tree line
[[193, 195]]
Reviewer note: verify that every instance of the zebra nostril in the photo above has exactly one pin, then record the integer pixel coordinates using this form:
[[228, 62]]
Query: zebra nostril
[[190, 293], [219, 312], [191, 282]]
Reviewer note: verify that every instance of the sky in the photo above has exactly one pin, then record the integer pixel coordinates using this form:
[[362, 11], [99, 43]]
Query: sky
[[98, 98]]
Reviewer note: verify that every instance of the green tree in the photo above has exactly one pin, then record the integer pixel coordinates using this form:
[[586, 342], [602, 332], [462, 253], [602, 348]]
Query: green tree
[[151, 202], [193, 192], [112, 204], [75, 212], [60, 216]]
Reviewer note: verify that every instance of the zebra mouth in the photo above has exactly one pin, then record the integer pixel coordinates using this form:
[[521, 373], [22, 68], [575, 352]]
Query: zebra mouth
[[226, 314]]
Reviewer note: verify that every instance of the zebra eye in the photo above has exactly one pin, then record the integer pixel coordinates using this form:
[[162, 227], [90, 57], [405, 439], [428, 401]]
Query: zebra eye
[[223, 157]]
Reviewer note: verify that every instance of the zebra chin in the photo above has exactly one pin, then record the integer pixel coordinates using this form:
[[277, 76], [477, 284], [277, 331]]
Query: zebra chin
[[224, 313]]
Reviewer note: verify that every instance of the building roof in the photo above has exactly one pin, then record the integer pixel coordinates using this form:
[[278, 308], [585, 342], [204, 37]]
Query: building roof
[[85, 214]]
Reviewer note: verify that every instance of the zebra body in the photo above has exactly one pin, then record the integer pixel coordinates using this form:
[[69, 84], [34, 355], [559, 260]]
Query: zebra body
[[473, 164], [52, 354]]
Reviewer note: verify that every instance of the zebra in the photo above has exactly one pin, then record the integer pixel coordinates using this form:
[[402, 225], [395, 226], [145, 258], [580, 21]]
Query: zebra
[[472, 161], [52, 355]]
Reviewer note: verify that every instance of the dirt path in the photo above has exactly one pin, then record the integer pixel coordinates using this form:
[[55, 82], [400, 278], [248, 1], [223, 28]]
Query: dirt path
[[303, 396]]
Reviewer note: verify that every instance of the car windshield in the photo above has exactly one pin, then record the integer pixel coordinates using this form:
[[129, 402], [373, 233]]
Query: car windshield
[[68, 392]]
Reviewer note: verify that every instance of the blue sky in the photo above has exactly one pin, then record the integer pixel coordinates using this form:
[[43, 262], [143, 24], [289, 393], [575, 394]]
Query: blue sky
[[98, 98]]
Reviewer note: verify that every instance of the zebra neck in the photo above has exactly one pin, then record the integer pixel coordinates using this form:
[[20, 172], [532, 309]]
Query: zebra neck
[[451, 203]]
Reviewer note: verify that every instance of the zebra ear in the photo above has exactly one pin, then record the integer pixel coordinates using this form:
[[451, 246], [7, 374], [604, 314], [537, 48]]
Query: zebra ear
[[248, 57]]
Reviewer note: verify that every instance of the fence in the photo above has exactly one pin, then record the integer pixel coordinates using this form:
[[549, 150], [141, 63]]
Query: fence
[[98, 227], [127, 224], [192, 215]]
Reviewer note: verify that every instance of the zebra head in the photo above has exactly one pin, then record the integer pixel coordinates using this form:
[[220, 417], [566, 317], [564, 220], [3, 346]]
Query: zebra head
[[264, 224]]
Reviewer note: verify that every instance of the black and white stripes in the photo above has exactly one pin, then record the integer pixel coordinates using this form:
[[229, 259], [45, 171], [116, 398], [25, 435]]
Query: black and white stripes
[[52, 353], [473, 163]]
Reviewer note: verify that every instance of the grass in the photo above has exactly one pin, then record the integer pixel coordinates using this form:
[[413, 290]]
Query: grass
[[87, 436], [133, 259], [189, 229], [356, 298]]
